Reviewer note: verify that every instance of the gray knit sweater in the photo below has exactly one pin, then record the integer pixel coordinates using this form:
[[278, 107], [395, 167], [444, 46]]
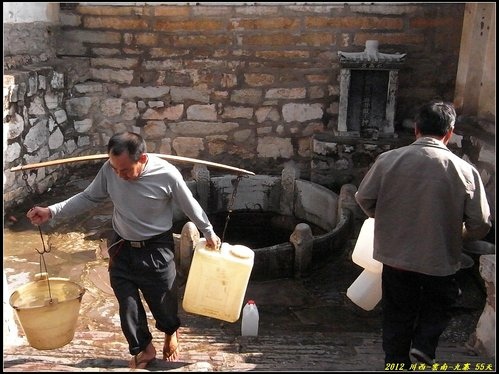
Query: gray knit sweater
[[143, 207]]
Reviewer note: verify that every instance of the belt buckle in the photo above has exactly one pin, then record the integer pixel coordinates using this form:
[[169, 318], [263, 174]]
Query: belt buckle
[[136, 244]]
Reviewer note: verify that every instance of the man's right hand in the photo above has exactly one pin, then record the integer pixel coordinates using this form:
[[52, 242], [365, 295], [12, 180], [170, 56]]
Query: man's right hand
[[38, 215]]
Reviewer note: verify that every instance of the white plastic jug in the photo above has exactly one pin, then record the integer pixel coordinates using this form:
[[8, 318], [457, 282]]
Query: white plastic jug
[[249, 324], [217, 281], [362, 254], [365, 291]]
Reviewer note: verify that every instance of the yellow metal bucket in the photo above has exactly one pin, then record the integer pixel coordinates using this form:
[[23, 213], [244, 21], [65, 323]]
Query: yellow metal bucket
[[48, 319]]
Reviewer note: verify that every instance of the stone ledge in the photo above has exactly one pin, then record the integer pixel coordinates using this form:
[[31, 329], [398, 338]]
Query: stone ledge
[[482, 341]]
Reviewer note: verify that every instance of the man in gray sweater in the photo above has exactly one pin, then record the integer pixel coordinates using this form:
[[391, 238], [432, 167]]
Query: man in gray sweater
[[142, 188], [425, 201]]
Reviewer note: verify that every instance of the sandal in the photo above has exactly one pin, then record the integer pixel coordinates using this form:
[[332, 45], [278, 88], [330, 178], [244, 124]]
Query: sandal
[[171, 355]]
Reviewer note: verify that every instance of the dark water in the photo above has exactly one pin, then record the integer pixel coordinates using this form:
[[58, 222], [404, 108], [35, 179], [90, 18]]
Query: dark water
[[254, 229]]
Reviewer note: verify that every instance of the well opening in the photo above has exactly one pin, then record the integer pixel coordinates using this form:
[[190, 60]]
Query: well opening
[[254, 229], [268, 214]]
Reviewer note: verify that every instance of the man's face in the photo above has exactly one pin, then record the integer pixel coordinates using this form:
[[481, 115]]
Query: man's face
[[125, 168]]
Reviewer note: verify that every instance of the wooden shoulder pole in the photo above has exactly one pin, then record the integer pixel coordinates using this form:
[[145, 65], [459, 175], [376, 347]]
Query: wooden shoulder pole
[[105, 156]]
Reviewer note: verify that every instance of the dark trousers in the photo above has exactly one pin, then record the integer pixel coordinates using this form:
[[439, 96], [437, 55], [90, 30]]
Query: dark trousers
[[416, 311], [150, 270]]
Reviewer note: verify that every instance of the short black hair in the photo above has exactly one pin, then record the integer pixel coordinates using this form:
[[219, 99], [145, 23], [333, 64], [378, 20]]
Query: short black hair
[[436, 118], [127, 141]]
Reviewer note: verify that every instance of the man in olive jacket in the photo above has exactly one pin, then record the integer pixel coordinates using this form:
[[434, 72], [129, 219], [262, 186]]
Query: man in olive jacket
[[425, 201]]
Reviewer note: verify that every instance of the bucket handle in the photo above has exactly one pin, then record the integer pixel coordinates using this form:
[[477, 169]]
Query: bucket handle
[[44, 274]]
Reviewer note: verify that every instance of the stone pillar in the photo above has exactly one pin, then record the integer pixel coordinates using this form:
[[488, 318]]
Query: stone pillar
[[483, 339], [345, 76], [288, 177], [347, 200], [389, 125], [303, 241], [189, 237], [202, 177]]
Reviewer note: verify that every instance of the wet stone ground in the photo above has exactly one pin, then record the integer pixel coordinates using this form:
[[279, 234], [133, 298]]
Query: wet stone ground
[[314, 304]]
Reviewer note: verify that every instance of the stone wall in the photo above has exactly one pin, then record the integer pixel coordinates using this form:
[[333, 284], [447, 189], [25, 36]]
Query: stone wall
[[340, 160], [244, 85], [483, 339], [37, 128], [249, 84]]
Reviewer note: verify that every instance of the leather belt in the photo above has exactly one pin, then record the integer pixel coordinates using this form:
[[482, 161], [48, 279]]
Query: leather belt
[[144, 243]]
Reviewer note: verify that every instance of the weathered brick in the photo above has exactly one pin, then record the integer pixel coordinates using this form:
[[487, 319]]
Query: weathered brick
[[201, 40], [109, 75], [237, 112], [282, 54], [266, 23], [424, 22], [173, 113], [246, 96], [318, 39], [162, 65], [402, 9], [171, 11], [69, 19], [193, 128], [285, 93], [188, 146], [259, 79], [146, 39], [256, 10], [202, 112], [106, 51], [191, 25], [317, 78], [166, 52], [117, 23], [93, 36], [204, 11], [274, 39], [274, 147], [395, 39], [119, 63], [103, 10], [383, 23]]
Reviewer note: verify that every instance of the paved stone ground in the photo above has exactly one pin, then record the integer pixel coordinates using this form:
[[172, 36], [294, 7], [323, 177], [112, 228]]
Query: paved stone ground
[[306, 324], [215, 350], [299, 331]]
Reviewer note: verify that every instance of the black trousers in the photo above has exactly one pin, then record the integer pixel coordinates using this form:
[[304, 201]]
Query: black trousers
[[150, 270], [416, 311]]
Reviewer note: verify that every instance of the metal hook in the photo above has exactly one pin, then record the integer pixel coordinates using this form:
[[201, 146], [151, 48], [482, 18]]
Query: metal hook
[[235, 183], [43, 243]]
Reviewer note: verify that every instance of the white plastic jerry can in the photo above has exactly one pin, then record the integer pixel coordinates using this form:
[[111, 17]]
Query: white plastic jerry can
[[249, 324], [365, 291], [362, 254], [217, 281]]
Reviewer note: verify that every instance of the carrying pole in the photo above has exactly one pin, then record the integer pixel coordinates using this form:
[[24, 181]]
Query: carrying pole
[[104, 156]]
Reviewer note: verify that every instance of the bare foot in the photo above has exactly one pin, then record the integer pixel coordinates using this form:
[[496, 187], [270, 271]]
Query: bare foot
[[171, 349], [141, 360]]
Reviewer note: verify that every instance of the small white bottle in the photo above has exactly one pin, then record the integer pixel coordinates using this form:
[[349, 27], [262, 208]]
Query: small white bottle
[[249, 324]]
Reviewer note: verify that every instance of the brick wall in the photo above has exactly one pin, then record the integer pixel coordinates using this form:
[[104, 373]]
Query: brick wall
[[247, 86]]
